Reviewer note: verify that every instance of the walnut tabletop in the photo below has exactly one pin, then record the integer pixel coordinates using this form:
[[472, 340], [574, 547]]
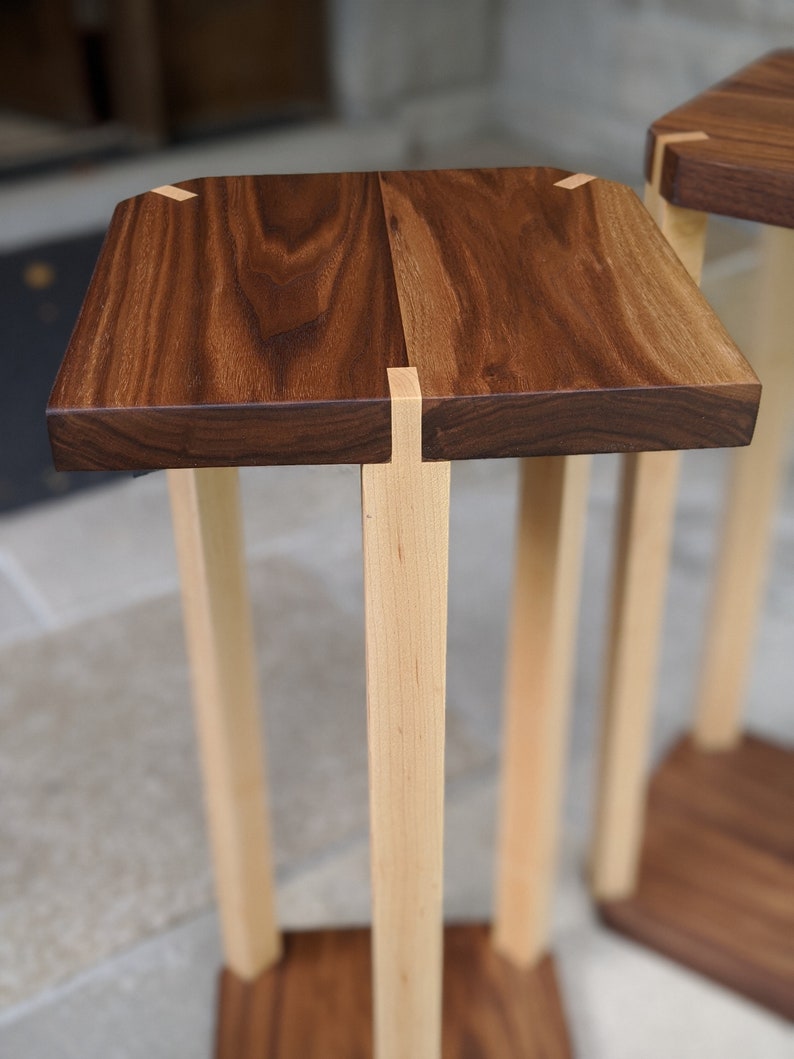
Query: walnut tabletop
[[252, 320], [744, 166]]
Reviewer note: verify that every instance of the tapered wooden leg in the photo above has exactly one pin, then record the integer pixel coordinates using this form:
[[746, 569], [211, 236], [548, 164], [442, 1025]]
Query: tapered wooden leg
[[552, 514], [756, 477], [647, 507], [646, 514], [207, 528], [405, 509]]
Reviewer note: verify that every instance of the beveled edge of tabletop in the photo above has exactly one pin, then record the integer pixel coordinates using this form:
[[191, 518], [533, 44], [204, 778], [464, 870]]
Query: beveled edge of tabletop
[[563, 424], [715, 175]]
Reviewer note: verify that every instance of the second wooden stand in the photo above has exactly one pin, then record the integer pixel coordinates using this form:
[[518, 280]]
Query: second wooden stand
[[716, 879]]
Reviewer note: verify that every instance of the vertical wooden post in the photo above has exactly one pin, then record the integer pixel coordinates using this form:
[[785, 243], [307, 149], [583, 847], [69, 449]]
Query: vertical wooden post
[[756, 476], [552, 516], [405, 515], [207, 528], [645, 527], [647, 506], [136, 70]]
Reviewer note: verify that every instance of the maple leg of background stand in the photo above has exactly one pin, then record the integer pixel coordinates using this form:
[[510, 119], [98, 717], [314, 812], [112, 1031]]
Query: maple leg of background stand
[[405, 514], [207, 527], [552, 514], [645, 527], [756, 478], [647, 507]]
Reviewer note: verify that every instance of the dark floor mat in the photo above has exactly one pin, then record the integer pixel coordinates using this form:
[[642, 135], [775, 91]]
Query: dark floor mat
[[41, 290]]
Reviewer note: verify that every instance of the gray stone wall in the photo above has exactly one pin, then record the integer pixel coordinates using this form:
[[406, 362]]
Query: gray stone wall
[[387, 54], [584, 78], [577, 80]]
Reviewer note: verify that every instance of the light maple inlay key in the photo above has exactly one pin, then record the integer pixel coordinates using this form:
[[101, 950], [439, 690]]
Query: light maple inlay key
[[171, 192]]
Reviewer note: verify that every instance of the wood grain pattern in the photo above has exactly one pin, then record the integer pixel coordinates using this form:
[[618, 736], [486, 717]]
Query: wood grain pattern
[[717, 870], [405, 521], [255, 323], [251, 324], [529, 303], [317, 1003], [746, 166], [539, 674]]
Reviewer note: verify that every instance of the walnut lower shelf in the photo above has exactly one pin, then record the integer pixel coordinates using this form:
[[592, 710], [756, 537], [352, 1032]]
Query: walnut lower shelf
[[716, 884], [317, 1002]]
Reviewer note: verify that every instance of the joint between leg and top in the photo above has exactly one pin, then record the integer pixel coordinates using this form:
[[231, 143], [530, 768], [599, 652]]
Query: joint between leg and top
[[684, 229], [661, 142]]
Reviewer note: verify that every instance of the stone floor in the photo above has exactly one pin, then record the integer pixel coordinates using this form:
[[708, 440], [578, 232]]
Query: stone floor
[[108, 942]]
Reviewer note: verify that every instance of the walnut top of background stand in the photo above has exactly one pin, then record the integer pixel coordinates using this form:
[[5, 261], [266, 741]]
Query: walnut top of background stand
[[253, 322], [745, 168]]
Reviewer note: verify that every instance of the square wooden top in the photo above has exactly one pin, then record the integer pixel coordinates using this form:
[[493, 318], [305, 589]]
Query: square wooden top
[[745, 165], [252, 320]]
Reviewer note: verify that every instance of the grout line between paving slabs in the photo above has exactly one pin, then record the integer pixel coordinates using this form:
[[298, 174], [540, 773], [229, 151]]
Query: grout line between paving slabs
[[56, 991], [52, 619], [29, 593]]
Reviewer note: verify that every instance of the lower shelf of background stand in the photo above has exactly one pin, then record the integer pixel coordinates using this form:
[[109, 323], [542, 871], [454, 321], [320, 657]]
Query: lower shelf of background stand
[[716, 883], [317, 1002]]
